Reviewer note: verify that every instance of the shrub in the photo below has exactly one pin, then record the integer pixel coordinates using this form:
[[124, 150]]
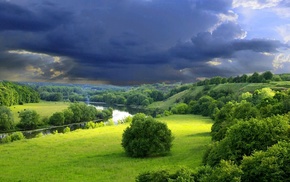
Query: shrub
[[183, 174], [158, 176], [17, 136], [39, 135], [90, 125], [269, 165], [167, 113], [6, 139], [146, 137], [245, 137], [45, 120], [180, 108], [128, 119], [29, 119], [66, 130], [100, 124], [225, 171], [158, 116], [110, 122], [57, 119]]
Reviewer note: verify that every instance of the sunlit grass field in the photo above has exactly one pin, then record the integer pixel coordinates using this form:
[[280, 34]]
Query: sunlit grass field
[[97, 155], [44, 109]]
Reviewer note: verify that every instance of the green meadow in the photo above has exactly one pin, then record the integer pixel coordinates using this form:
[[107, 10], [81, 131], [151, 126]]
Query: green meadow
[[97, 155], [45, 109]]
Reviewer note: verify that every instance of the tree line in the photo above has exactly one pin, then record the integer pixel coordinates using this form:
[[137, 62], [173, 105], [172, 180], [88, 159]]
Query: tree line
[[137, 96], [61, 93], [132, 97], [13, 94], [254, 78], [30, 119]]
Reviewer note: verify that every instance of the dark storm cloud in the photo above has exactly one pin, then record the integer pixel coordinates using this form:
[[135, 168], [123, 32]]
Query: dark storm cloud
[[224, 42], [125, 41], [13, 17], [124, 33], [258, 45]]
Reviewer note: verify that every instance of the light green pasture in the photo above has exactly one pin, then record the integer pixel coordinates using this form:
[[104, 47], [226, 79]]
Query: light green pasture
[[97, 155], [44, 109]]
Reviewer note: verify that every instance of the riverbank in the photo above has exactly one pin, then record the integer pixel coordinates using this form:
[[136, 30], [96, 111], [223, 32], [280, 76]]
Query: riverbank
[[46, 109]]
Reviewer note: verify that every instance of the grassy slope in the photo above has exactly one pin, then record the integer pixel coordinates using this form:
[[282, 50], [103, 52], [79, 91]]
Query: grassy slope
[[42, 108], [168, 102], [96, 155], [237, 88], [251, 87]]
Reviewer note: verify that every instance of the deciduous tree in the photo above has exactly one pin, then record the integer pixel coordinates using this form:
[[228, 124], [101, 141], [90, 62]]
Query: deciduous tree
[[29, 119], [6, 119], [146, 137]]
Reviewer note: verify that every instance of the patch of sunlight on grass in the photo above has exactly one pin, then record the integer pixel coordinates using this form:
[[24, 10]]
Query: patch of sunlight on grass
[[44, 109]]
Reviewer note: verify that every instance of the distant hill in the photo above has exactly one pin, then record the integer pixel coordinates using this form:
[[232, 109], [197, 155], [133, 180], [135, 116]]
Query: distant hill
[[196, 90]]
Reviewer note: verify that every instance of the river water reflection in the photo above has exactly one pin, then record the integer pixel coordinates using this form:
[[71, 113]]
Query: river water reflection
[[117, 114]]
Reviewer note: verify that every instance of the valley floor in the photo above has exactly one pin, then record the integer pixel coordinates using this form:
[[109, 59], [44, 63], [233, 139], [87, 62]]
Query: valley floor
[[97, 155]]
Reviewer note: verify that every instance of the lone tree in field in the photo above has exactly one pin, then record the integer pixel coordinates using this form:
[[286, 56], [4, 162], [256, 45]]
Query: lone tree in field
[[146, 137]]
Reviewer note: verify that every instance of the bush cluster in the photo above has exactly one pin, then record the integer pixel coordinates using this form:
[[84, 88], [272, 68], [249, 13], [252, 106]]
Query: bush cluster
[[13, 137], [146, 137], [226, 171], [66, 130], [92, 125]]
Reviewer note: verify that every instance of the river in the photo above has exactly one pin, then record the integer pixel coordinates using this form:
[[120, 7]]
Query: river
[[117, 115]]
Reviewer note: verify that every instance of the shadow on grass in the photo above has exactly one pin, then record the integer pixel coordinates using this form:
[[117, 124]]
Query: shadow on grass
[[110, 155], [123, 155], [203, 134]]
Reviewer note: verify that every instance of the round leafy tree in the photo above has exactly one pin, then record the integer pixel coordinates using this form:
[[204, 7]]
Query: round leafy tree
[[29, 119], [146, 137]]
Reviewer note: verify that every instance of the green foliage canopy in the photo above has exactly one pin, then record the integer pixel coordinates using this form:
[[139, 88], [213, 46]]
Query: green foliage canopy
[[12, 94], [270, 165], [29, 119], [247, 136], [57, 119], [180, 108], [6, 119], [146, 137]]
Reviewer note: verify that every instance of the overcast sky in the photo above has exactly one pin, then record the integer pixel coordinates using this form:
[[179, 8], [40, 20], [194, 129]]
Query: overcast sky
[[125, 42]]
